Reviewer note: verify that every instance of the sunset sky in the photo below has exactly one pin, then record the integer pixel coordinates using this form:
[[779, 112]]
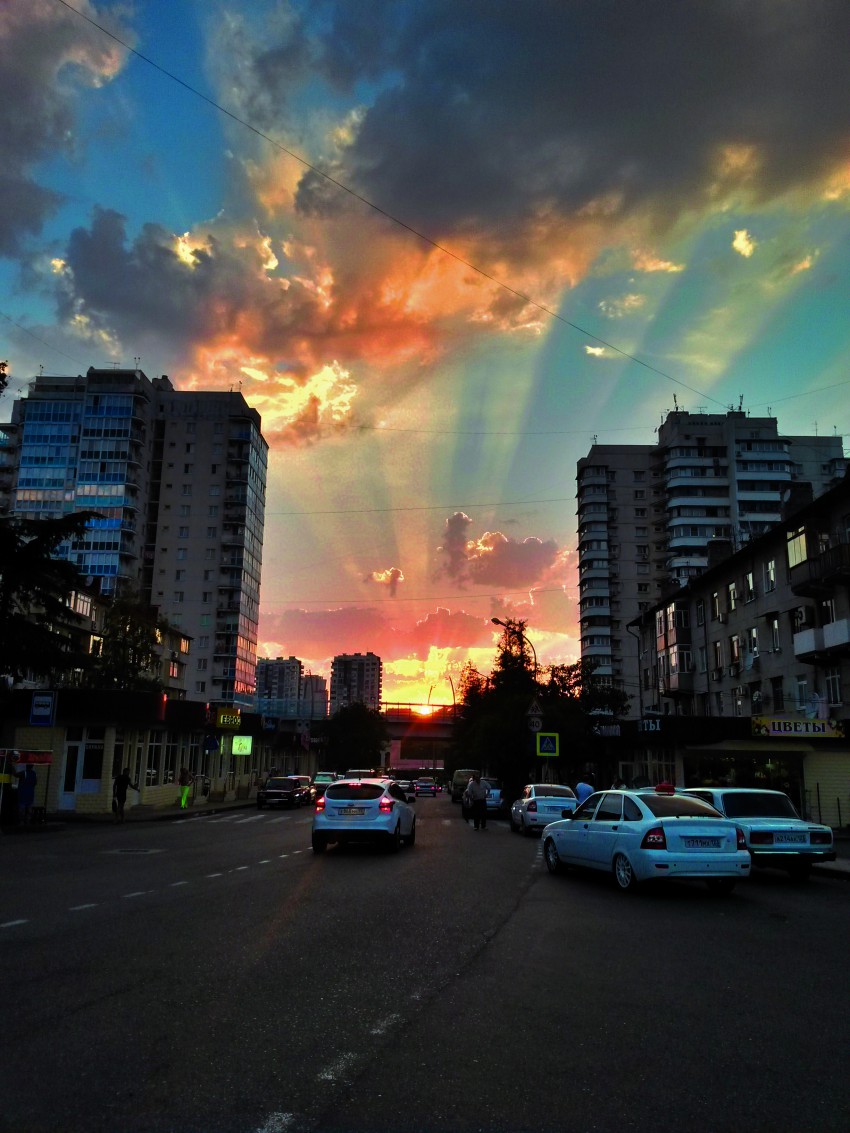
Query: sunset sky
[[441, 246]]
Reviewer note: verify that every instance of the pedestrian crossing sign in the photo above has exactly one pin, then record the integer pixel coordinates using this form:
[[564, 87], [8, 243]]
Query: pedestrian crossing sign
[[547, 744]]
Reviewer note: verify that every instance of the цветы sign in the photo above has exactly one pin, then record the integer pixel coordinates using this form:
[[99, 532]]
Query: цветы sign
[[812, 729]]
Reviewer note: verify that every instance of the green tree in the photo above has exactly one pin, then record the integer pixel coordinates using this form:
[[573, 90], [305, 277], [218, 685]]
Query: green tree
[[34, 585], [129, 653], [357, 737]]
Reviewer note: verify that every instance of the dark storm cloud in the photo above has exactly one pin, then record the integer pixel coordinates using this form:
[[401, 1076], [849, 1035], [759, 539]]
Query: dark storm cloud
[[497, 114], [47, 53]]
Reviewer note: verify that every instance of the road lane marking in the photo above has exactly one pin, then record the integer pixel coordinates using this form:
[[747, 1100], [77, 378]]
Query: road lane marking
[[264, 861], [283, 855], [336, 1069], [384, 1025], [174, 884], [239, 868], [11, 924], [215, 875], [250, 818], [139, 893], [277, 1123], [77, 908]]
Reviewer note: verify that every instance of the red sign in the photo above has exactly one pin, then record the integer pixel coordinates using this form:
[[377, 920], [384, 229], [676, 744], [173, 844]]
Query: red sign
[[22, 755]]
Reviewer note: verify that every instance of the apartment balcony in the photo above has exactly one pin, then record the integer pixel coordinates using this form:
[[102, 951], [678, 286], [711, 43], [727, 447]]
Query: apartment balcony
[[676, 684], [817, 577], [710, 498], [824, 643]]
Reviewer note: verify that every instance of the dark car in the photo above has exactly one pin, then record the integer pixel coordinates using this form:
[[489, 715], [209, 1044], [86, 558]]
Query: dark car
[[282, 790], [425, 786]]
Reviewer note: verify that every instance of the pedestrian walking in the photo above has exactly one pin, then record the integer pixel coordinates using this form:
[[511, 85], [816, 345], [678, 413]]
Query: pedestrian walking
[[584, 789], [27, 780], [119, 793], [475, 800], [185, 780]]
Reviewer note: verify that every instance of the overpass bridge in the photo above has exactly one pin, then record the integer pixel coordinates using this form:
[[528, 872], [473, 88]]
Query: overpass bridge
[[420, 734]]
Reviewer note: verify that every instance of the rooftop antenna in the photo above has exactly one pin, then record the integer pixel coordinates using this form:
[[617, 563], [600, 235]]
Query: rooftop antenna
[[740, 402], [675, 403], [702, 408]]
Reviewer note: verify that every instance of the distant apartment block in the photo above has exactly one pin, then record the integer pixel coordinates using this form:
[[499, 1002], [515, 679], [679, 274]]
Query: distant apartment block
[[178, 480], [648, 514], [356, 678]]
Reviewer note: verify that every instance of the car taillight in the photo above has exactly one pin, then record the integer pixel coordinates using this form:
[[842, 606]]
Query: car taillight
[[654, 839], [320, 803], [386, 805], [532, 806], [820, 838], [761, 837], [741, 838]]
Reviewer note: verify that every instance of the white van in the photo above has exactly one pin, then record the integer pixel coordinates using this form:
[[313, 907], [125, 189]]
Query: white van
[[459, 780]]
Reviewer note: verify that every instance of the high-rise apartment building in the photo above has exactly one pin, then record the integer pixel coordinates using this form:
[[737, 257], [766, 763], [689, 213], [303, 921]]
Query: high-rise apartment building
[[356, 678], [178, 480], [279, 686], [648, 515], [314, 697]]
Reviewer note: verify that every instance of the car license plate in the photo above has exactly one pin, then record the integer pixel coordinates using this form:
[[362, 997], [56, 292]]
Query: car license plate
[[780, 837], [701, 843], [352, 810]]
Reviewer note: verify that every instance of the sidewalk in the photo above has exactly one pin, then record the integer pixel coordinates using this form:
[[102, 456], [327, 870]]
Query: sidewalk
[[142, 812]]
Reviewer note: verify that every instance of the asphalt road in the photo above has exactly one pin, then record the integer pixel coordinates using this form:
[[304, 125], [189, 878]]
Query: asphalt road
[[211, 975]]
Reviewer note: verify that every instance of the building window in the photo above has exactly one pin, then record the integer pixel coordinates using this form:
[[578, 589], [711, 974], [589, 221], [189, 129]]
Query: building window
[[200, 686], [183, 533], [752, 636], [181, 553], [734, 649], [203, 643], [802, 693], [639, 476], [770, 575], [215, 490], [186, 490], [180, 576], [749, 586], [208, 575], [702, 658], [640, 493], [212, 511], [185, 510], [774, 634], [797, 552], [833, 687], [178, 596], [188, 469], [202, 664], [700, 612], [206, 596], [732, 596], [643, 587], [715, 605], [209, 553], [212, 532], [640, 513]]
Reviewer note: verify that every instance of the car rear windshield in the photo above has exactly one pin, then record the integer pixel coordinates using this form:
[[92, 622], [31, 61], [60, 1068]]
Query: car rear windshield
[[354, 791], [281, 784], [757, 805], [678, 806], [547, 790]]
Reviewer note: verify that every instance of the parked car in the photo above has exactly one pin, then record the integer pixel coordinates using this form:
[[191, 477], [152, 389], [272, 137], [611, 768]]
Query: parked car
[[775, 833], [281, 790], [540, 804], [646, 835], [364, 810], [425, 786], [321, 780], [459, 780], [495, 803]]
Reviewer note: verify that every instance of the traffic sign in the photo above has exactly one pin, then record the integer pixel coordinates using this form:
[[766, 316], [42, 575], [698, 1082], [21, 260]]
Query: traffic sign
[[547, 744], [535, 723], [534, 708]]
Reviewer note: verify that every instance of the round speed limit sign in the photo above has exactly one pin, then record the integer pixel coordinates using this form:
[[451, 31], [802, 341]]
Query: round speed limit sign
[[535, 723]]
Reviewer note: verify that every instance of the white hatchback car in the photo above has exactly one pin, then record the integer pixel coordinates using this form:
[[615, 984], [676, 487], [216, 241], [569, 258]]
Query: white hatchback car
[[364, 810], [775, 833], [541, 803], [646, 835]]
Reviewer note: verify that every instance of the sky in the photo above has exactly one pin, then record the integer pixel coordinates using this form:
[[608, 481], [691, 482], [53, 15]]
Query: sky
[[442, 247]]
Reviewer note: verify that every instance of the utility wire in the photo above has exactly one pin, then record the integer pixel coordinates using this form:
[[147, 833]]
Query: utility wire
[[383, 212]]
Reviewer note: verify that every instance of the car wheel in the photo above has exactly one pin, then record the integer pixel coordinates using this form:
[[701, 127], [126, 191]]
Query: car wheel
[[624, 874], [394, 840], [410, 840], [721, 886], [550, 856], [320, 843]]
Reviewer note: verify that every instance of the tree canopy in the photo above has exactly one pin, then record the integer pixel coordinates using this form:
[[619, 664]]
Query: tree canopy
[[357, 737]]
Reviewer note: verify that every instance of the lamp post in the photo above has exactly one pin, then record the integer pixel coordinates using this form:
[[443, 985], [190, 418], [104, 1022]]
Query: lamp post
[[515, 628]]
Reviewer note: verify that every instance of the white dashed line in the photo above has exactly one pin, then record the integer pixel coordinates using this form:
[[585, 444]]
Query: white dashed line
[[215, 875], [336, 1069], [283, 855], [264, 861], [11, 924], [139, 893], [298, 851], [384, 1025], [174, 884], [277, 1123], [250, 818], [77, 908], [239, 868]]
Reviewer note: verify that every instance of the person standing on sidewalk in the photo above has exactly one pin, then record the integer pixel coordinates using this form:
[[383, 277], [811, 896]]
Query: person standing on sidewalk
[[119, 792], [476, 801], [185, 779]]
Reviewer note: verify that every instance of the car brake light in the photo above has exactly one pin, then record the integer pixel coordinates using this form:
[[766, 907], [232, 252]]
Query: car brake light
[[654, 839], [761, 837], [320, 803], [532, 806], [665, 789], [820, 838], [386, 805], [741, 838]]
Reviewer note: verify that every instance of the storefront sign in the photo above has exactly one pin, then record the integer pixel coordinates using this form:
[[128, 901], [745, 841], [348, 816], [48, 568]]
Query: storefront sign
[[811, 729], [42, 708], [22, 755]]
